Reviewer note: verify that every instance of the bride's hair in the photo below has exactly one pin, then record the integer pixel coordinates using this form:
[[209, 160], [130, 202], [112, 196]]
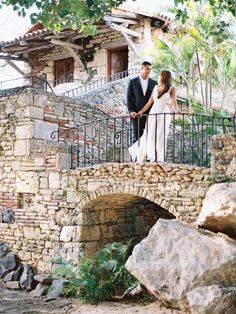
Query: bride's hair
[[165, 82]]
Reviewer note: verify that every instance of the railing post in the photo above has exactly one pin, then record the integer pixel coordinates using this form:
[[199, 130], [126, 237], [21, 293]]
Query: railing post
[[99, 141], [202, 141], [78, 150], [122, 140], [85, 144], [164, 144], [114, 139], [106, 150], [173, 143]]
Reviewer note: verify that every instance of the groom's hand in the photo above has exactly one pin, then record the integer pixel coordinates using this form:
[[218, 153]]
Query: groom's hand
[[133, 114]]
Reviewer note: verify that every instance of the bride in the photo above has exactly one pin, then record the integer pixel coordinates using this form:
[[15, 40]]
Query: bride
[[152, 144]]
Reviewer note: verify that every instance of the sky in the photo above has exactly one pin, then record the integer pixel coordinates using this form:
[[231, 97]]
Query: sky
[[11, 26]]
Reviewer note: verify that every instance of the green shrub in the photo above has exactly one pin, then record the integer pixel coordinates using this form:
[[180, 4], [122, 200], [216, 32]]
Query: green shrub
[[101, 278]]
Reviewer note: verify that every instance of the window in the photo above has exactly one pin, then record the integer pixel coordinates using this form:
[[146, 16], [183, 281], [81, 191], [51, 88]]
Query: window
[[64, 71]]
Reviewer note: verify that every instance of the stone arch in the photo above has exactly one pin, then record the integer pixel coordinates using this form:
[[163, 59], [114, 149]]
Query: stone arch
[[117, 217], [95, 191]]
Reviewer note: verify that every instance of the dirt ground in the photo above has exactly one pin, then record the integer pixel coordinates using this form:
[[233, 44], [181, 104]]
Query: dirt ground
[[20, 302]]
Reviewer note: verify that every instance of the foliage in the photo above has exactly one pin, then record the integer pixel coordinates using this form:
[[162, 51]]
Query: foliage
[[56, 15], [201, 53], [176, 57], [100, 278], [196, 130], [224, 77], [218, 6]]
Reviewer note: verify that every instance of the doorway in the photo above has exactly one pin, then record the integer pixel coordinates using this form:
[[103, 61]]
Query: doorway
[[117, 63]]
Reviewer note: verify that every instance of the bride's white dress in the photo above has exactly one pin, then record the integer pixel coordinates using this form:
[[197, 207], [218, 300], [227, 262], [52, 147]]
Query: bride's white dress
[[153, 142]]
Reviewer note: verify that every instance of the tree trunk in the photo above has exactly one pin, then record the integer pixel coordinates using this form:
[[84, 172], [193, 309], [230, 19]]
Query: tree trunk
[[206, 87], [210, 81], [200, 77]]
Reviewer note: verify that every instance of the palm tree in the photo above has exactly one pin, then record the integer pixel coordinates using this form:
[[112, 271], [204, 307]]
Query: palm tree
[[177, 58]]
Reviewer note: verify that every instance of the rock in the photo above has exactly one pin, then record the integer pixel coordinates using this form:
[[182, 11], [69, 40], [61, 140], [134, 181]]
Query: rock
[[3, 249], [175, 258], [9, 276], [2, 284], [212, 299], [57, 289], [8, 215], [18, 273], [44, 278], [14, 285], [3, 271], [41, 289], [231, 170], [218, 212], [10, 261], [27, 278]]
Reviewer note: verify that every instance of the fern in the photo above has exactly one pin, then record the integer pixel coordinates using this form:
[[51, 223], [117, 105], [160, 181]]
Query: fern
[[100, 278]]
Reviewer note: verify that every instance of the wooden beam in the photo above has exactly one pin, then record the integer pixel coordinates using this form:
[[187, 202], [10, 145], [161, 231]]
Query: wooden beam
[[25, 50], [131, 44], [55, 36], [108, 18], [65, 44], [12, 58], [15, 67], [122, 12], [114, 44], [75, 56], [123, 29], [124, 32]]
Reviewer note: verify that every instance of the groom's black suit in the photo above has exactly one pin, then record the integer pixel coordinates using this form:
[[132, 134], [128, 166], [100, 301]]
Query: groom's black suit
[[136, 101]]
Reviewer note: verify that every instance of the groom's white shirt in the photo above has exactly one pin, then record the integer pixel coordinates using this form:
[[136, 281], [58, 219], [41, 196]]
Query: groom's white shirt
[[144, 84]]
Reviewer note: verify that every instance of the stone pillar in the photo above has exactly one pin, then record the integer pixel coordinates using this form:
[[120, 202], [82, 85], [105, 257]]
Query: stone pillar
[[223, 159]]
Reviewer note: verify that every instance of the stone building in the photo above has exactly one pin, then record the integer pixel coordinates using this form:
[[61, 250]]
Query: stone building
[[69, 56]]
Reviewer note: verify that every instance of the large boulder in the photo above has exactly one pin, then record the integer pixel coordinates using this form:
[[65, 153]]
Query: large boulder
[[176, 258], [212, 299], [218, 212], [231, 170]]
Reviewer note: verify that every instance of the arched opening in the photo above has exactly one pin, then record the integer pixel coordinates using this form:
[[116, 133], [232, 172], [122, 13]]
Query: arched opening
[[118, 217]]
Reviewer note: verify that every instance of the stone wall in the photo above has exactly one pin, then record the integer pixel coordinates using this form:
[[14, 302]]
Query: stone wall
[[28, 118], [223, 160], [110, 98], [64, 213]]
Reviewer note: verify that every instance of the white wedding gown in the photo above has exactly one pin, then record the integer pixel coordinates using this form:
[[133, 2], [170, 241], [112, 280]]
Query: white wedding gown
[[153, 142]]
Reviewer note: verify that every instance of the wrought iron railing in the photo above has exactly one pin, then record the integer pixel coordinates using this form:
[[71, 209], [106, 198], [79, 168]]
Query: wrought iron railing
[[31, 80], [187, 140], [78, 82], [99, 83]]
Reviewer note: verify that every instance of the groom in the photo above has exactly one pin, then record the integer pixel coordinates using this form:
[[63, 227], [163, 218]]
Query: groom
[[139, 91]]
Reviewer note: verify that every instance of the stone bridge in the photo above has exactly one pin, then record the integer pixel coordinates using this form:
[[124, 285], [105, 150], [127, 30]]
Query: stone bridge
[[67, 212]]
